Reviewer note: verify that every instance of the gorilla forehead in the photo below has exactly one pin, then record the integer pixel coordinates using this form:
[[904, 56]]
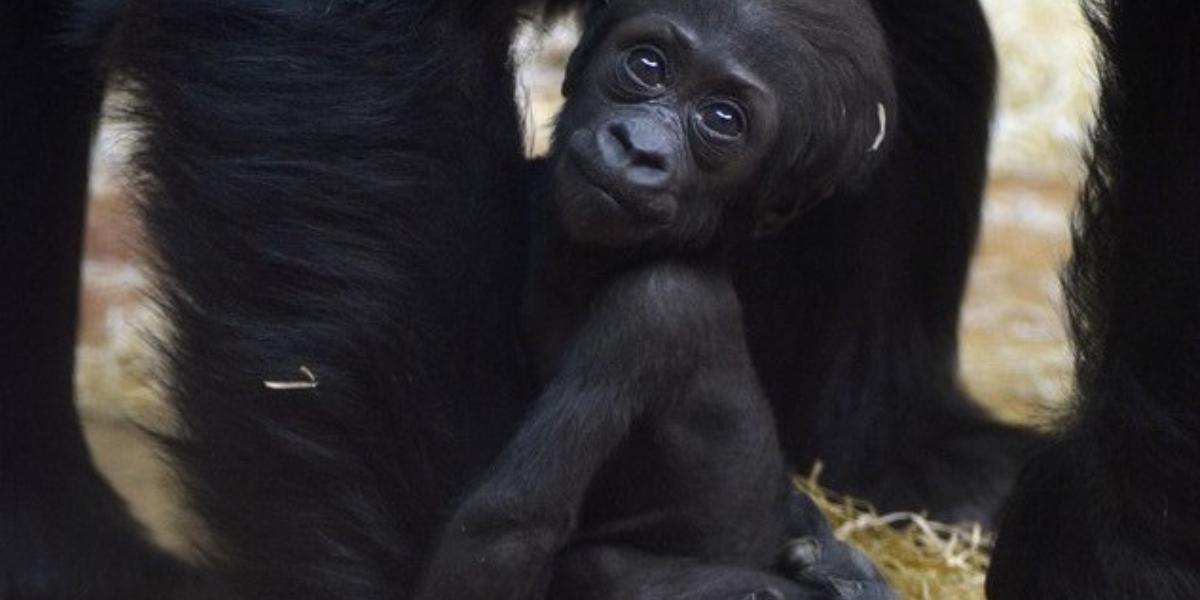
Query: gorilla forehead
[[774, 39], [714, 15], [742, 25]]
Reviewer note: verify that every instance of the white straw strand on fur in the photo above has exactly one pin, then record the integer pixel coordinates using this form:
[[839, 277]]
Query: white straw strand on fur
[[883, 119], [310, 384]]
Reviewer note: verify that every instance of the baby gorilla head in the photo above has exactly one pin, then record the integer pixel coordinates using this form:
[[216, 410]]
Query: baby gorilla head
[[694, 122]]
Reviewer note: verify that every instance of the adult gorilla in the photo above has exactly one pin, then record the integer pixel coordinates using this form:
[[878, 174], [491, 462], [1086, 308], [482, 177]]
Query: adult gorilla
[[339, 185]]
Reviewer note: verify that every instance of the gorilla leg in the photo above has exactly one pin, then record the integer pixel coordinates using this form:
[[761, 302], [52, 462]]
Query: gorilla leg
[[856, 336], [336, 185], [1111, 510], [64, 533]]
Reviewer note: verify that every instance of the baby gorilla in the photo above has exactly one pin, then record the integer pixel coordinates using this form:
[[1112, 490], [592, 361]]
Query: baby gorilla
[[649, 467]]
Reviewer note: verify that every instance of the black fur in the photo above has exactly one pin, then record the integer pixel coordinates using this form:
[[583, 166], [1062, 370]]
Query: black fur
[[854, 333], [339, 185], [1111, 510]]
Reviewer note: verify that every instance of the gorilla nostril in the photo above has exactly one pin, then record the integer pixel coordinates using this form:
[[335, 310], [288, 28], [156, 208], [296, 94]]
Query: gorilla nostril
[[615, 146], [650, 160], [620, 132]]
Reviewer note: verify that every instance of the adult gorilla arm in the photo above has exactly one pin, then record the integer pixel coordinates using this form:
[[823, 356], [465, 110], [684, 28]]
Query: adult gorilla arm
[[1111, 510], [64, 533], [855, 334], [336, 185]]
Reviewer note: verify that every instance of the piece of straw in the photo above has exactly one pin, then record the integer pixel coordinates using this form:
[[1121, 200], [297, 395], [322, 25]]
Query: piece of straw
[[922, 559]]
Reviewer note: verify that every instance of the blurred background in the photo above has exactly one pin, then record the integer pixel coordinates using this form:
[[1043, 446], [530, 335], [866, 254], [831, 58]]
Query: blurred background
[[1015, 357]]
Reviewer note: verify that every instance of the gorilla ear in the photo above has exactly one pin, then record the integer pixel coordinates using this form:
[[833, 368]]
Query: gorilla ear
[[783, 208], [775, 215]]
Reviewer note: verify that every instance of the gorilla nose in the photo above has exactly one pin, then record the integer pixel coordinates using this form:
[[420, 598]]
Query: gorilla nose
[[638, 152]]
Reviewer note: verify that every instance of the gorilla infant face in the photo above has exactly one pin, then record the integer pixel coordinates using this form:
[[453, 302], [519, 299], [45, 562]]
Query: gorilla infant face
[[687, 120]]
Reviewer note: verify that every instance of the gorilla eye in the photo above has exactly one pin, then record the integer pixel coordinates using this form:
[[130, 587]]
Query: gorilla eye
[[647, 66], [722, 119]]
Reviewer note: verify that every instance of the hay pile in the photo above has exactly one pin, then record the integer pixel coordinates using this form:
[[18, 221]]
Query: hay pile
[[922, 559]]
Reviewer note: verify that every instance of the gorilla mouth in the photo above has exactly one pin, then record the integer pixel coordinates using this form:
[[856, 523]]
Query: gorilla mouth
[[655, 210]]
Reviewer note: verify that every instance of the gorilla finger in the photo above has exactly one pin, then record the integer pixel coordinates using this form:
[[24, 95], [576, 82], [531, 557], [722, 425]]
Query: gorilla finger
[[802, 554]]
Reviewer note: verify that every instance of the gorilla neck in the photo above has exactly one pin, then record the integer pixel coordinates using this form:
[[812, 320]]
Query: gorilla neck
[[562, 279], [564, 276]]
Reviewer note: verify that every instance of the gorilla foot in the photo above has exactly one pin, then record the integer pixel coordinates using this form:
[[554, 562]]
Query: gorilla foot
[[618, 573], [835, 570], [817, 560]]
